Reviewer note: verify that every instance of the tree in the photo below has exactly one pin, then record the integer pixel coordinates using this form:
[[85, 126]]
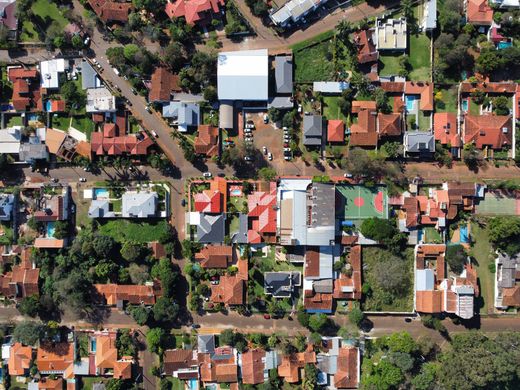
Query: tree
[[317, 322], [61, 229], [403, 360], [392, 149], [356, 316], [131, 251], [30, 306], [310, 379], [73, 97], [126, 343], [75, 293], [378, 229], [140, 314], [384, 375], [175, 56], [103, 245], [456, 257], [227, 337], [504, 233], [138, 274], [267, 173], [401, 342], [114, 384], [426, 377], [167, 274], [130, 51], [155, 339], [165, 310], [28, 333], [275, 114], [488, 62], [210, 93], [501, 105], [389, 275], [77, 42], [472, 157]]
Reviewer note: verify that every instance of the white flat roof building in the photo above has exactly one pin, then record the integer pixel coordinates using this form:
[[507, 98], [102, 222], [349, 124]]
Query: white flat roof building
[[243, 75], [100, 100], [10, 140], [50, 72]]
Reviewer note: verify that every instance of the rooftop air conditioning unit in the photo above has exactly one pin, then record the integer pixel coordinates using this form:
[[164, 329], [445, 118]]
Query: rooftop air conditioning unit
[[504, 130]]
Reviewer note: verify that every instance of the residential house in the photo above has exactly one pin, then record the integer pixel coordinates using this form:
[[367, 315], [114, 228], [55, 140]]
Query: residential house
[[207, 141], [364, 132], [100, 100], [349, 286], [339, 364], [61, 144], [210, 228], [181, 364], [479, 12], [106, 362], [141, 204], [335, 131], [89, 76], [253, 366], [418, 96], [46, 383], [446, 133], [230, 291], [318, 282], [183, 115], [208, 201], [199, 12], [219, 367], [389, 125], [507, 281], [488, 132], [33, 152], [348, 371], [313, 130], [330, 87], [262, 216], [366, 48], [114, 141], [111, 11], [291, 365], [281, 284], [435, 291], [215, 256], [9, 17], [391, 34], [506, 4], [163, 84], [243, 75], [205, 343], [49, 208], [21, 281], [56, 359], [429, 21], [293, 11], [26, 89], [7, 202], [20, 359], [419, 143], [50, 71], [10, 140], [120, 294], [283, 72]]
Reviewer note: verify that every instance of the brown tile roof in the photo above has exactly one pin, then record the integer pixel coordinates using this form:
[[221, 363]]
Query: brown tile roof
[[335, 130], [54, 358], [389, 125], [289, 369], [479, 12], [360, 105], [20, 358], [229, 291], [176, 359], [364, 132], [445, 128], [215, 256], [206, 141], [51, 384], [411, 207], [312, 262], [158, 250], [367, 51], [226, 373], [350, 283], [507, 87], [346, 376], [111, 10], [20, 282], [222, 370], [253, 366], [317, 301], [488, 130], [511, 296], [163, 83], [424, 89], [134, 294], [428, 301], [393, 87]]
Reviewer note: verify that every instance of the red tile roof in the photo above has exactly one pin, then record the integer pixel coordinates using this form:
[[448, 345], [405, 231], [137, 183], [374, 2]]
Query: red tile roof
[[389, 125], [20, 358], [134, 294], [229, 291], [193, 10], [127, 144], [349, 287], [336, 131], [215, 256], [262, 215], [253, 367], [367, 51], [506, 87], [317, 301], [312, 262], [58, 105], [393, 87], [55, 357], [208, 201], [424, 89], [20, 282], [363, 133], [163, 83], [429, 301], [178, 359], [488, 130], [445, 127], [51, 384], [158, 249], [346, 376], [479, 12], [109, 11], [26, 89], [206, 142]]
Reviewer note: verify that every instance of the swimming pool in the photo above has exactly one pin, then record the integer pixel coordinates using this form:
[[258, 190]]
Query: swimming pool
[[504, 45], [48, 106], [193, 384], [93, 344], [465, 105], [50, 229], [101, 193], [410, 103], [464, 236], [237, 192]]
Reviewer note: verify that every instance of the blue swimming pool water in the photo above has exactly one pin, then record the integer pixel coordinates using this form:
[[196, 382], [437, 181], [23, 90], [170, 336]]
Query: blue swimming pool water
[[48, 106], [465, 105], [93, 344], [464, 236], [410, 103], [504, 45], [193, 384], [235, 192], [100, 193], [50, 229]]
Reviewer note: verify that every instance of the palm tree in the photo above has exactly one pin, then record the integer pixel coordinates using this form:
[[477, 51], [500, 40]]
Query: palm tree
[[344, 28]]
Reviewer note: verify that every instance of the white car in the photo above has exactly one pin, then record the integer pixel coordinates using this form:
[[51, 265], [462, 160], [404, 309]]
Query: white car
[[82, 180], [286, 138], [348, 175], [286, 149], [285, 129], [154, 134], [207, 175], [264, 149], [248, 131], [248, 158], [270, 156], [250, 126]]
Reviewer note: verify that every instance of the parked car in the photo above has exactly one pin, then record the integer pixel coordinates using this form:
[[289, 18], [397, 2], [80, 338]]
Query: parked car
[[195, 326], [207, 175], [287, 158], [82, 180], [248, 158], [267, 316], [147, 108], [300, 108], [54, 180], [154, 134], [264, 149], [286, 149], [266, 118], [214, 282], [348, 175], [183, 202], [270, 156], [285, 129], [285, 144], [250, 126], [134, 91]]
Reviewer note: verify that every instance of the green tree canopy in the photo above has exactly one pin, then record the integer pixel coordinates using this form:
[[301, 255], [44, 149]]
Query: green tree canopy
[[504, 233]]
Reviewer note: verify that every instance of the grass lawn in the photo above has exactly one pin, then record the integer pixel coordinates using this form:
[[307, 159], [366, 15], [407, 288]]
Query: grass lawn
[[381, 300], [431, 235], [177, 384], [15, 120], [474, 109], [60, 122], [331, 108], [234, 223], [238, 202], [17, 385], [29, 33], [87, 382], [420, 57], [83, 124], [482, 252], [318, 38], [269, 263], [48, 12], [424, 121], [123, 230], [448, 103], [389, 64], [312, 64]]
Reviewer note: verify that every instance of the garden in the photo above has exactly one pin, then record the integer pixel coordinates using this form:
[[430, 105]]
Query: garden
[[123, 230], [331, 109], [44, 14], [314, 64]]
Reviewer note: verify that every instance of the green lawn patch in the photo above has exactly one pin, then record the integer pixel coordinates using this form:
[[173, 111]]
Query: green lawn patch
[[48, 12], [269, 263], [61, 122], [177, 384], [309, 42], [84, 124], [29, 33], [482, 253], [124, 230], [88, 382], [234, 223], [432, 236], [389, 64], [420, 57], [15, 120], [424, 121], [312, 64], [331, 108], [474, 109], [17, 385], [448, 102]]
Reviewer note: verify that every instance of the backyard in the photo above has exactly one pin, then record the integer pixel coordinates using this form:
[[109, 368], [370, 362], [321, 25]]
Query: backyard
[[44, 14], [84, 124], [313, 64], [389, 64], [88, 382], [61, 122], [124, 230], [448, 100], [331, 108], [15, 120], [420, 57], [482, 252]]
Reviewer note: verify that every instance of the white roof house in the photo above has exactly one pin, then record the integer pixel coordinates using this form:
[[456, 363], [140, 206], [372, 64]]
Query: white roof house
[[294, 10], [430, 15], [10, 140], [50, 72], [139, 204], [243, 75], [100, 100]]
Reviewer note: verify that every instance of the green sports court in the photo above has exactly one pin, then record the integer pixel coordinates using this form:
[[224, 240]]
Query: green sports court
[[499, 203], [360, 202]]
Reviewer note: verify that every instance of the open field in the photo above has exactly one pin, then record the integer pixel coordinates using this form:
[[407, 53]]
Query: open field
[[123, 230], [312, 64]]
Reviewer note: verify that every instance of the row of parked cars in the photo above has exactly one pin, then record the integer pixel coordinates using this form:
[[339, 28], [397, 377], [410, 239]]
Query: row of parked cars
[[287, 153]]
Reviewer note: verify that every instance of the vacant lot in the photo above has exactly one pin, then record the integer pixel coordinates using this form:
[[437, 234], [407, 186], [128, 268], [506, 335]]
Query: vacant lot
[[420, 57], [46, 12], [123, 230], [313, 64], [482, 253], [331, 108]]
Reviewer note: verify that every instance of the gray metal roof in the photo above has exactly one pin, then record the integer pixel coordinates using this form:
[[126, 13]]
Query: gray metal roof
[[419, 141], [139, 205], [206, 343], [283, 74], [272, 360], [33, 151], [100, 208], [325, 286], [332, 87], [424, 279], [89, 77], [186, 114], [280, 102], [240, 237], [281, 284], [312, 130], [430, 15], [211, 228], [508, 266], [226, 115]]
